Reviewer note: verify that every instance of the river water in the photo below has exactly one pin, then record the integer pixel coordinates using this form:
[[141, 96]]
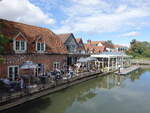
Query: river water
[[108, 94]]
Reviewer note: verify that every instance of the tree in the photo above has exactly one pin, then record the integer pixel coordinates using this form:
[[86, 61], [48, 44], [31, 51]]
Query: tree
[[3, 41], [109, 41], [133, 42], [139, 49]]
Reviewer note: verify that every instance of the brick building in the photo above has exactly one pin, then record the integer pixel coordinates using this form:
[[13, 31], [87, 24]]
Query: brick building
[[30, 43]]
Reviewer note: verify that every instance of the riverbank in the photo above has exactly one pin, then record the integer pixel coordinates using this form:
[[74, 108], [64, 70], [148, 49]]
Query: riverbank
[[140, 61], [13, 100], [145, 66]]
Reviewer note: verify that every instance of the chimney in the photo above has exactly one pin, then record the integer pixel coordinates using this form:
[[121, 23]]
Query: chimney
[[89, 41]]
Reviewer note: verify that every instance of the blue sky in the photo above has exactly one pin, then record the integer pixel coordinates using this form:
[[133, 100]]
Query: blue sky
[[116, 20]]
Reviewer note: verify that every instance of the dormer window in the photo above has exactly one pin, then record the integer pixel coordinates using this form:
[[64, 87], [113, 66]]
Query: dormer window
[[40, 47], [20, 44]]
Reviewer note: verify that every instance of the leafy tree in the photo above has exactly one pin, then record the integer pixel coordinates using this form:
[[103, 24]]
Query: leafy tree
[[3, 41], [139, 49], [133, 42], [109, 41]]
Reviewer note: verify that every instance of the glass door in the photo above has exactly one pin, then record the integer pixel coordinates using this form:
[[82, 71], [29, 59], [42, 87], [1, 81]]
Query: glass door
[[13, 72]]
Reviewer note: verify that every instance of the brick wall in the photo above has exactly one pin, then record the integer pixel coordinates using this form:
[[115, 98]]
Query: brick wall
[[47, 60]]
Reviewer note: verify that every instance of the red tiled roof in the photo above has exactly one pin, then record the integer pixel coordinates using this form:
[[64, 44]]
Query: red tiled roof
[[104, 43], [64, 37], [78, 40], [95, 49], [80, 43], [99, 49], [31, 33]]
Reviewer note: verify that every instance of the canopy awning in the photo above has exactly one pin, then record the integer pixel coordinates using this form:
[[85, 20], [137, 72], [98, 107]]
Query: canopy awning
[[88, 59], [28, 65], [110, 55]]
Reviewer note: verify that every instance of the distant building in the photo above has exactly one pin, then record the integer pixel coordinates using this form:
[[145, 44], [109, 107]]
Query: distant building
[[103, 44], [94, 49], [120, 48]]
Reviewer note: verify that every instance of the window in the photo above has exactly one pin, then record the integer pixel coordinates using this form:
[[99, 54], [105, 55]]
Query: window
[[40, 47], [56, 65], [41, 68], [20, 45], [13, 72]]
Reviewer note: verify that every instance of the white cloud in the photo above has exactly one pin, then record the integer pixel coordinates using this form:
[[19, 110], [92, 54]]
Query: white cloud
[[97, 16], [131, 34], [24, 11]]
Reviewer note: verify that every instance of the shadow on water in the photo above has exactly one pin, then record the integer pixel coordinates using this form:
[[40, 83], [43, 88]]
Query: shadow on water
[[59, 102], [31, 107]]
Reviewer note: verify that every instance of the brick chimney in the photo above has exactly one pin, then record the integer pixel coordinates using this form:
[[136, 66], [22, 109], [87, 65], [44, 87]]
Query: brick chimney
[[89, 41]]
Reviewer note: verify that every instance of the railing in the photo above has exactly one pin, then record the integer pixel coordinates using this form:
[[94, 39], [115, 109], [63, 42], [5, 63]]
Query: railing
[[8, 97]]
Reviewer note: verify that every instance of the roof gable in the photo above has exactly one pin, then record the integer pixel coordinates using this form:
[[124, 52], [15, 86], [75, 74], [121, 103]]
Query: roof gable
[[20, 36], [64, 37]]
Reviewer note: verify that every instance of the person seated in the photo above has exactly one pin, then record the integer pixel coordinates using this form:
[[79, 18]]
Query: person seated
[[6, 81]]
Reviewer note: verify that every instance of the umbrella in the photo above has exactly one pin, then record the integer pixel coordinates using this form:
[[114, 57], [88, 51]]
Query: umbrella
[[87, 59], [82, 60], [91, 59], [29, 65]]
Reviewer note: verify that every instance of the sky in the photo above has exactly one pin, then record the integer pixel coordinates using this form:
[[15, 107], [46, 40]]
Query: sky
[[116, 20]]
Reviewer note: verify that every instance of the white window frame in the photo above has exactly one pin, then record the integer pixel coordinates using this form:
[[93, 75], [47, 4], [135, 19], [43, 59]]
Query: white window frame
[[20, 41], [20, 45], [12, 66], [57, 65], [44, 48], [42, 68]]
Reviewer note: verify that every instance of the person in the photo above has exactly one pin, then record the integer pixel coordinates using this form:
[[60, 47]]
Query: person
[[6, 81], [70, 73], [119, 68], [21, 83]]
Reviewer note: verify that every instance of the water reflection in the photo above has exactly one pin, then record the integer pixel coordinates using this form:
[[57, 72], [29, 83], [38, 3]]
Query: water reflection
[[92, 96]]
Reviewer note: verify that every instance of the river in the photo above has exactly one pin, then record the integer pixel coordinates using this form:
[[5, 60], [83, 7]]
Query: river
[[107, 94]]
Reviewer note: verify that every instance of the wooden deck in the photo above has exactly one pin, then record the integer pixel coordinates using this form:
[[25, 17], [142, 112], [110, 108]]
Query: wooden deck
[[128, 70], [20, 98]]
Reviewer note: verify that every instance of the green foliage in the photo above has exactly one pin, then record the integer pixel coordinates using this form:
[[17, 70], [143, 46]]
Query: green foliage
[[3, 41], [139, 49], [1, 60], [133, 42], [109, 41]]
